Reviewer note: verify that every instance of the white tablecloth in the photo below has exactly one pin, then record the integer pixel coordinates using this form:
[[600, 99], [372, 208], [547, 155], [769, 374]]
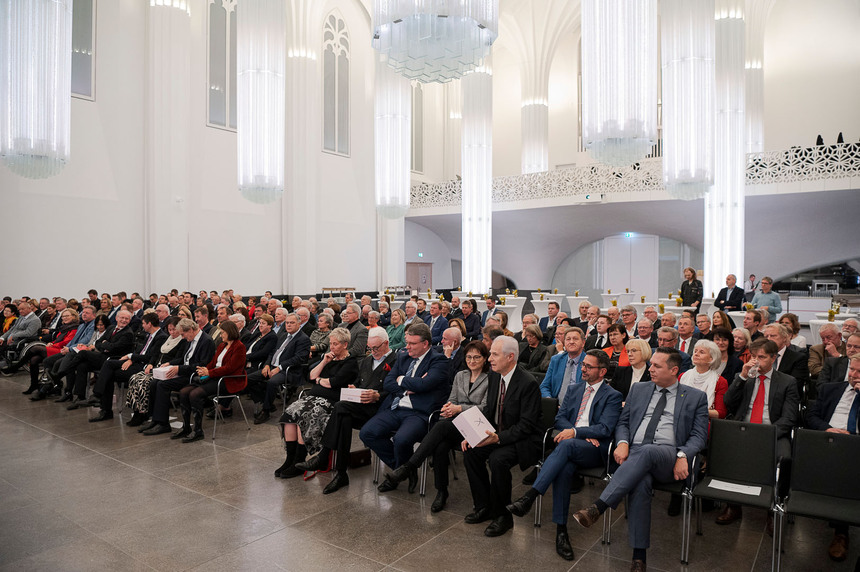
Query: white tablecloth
[[395, 304], [815, 326], [515, 315], [541, 308], [623, 298], [549, 296], [706, 305], [640, 308], [574, 302], [839, 316]]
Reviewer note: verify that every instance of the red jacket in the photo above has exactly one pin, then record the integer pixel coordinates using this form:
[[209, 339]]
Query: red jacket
[[59, 343], [232, 364]]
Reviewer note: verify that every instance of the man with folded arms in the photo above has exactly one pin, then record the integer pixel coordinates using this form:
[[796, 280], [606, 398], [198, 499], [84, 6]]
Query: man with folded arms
[[662, 425], [836, 411], [730, 298], [760, 394], [513, 408], [586, 422], [348, 415], [417, 385]]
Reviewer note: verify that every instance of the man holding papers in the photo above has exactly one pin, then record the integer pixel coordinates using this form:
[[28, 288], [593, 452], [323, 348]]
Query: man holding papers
[[513, 408], [587, 420]]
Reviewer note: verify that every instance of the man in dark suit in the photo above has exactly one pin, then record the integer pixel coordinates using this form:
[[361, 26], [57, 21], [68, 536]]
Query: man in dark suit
[[349, 415], [117, 341], [451, 348], [686, 335], [788, 360], [513, 408], [436, 322], [730, 298], [351, 320], [645, 331], [417, 385], [284, 366], [455, 312], [548, 322], [586, 422], [836, 410], [490, 311], [305, 325], [760, 394], [120, 370], [600, 339], [667, 337], [199, 352], [836, 369], [663, 424], [581, 320]]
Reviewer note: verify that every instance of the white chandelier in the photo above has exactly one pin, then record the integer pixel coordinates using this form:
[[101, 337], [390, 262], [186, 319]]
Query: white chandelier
[[434, 40], [35, 89], [619, 79], [260, 104], [688, 96], [392, 117], [477, 184]]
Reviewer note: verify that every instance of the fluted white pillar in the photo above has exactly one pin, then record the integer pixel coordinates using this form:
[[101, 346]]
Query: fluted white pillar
[[755, 19], [168, 116], [535, 131], [724, 204], [477, 184], [391, 133]]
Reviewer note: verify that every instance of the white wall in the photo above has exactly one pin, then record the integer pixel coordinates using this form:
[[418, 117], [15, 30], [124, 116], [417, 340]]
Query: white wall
[[435, 251]]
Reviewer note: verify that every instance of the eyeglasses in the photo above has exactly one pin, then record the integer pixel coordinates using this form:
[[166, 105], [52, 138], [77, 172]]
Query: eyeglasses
[[376, 348], [474, 358], [587, 367]]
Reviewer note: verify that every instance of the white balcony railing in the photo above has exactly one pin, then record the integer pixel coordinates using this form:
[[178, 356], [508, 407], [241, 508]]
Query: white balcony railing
[[795, 164]]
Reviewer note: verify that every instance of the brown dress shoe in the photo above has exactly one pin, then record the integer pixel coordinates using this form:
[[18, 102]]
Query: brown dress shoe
[[839, 548], [587, 516], [637, 566], [730, 514]]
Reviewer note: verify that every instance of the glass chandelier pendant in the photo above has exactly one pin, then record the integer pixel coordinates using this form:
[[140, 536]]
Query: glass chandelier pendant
[[619, 79], [35, 89], [392, 128], [435, 40], [261, 66], [688, 96]]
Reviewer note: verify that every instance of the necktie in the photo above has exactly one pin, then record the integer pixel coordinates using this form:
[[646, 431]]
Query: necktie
[[409, 373], [600, 342], [683, 345], [852, 415], [776, 362], [588, 391], [758, 405], [501, 402], [655, 418], [570, 375], [149, 339]]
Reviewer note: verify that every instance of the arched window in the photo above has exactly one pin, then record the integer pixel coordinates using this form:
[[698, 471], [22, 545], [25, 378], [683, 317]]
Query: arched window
[[335, 85], [222, 64], [417, 127]]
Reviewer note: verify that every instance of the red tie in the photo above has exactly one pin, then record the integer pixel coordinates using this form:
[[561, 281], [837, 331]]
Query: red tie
[[683, 345], [758, 404]]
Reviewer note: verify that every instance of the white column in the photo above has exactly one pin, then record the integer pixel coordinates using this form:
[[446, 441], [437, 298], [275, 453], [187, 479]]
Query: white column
[[391, 251], [453, 118], [724, 204], [391, 133], [303, 145], [167, 117], [477, 184], [535, 134], [755, 19]]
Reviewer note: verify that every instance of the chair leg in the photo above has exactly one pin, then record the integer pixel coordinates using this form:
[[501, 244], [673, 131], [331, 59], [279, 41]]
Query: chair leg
[[242, 409], [685, 523], [374, 460], [607, 527], [776, 561], [538, 505], [422, 489], [454, 464], [217, 415]]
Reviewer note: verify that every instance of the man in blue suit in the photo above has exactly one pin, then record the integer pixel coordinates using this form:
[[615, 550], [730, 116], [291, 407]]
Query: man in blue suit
[[437, 322], [490, 311], [417, 385], [663, 424], [587, 420], [564, 368], [549, 321]]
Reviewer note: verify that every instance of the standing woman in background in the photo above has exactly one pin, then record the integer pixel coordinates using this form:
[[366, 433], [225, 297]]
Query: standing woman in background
[[691, 289]]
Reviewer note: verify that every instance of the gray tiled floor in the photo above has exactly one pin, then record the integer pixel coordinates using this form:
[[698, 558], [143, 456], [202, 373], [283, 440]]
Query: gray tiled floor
[[98, 496]]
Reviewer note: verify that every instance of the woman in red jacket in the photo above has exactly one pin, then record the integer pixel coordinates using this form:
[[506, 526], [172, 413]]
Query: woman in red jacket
[[229, 360], [61, 337]]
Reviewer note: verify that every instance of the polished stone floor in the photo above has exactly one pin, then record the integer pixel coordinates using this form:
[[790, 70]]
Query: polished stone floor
[[98, 496]]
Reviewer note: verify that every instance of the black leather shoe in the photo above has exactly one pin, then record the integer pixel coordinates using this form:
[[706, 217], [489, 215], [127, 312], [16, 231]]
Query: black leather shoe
[[386, 486], [499, 526], [291, 472], [399, 475], [64, 398], [479, 515], [30, 389], [315, 463], [413, 480], [76, 404], [339, 481], [562, 546], [94, 401], [182, 433], [102, 416], [136, 420], [158, 429], [440, 501], [262, 417], [521, 506], [147, 427], [196, 436]]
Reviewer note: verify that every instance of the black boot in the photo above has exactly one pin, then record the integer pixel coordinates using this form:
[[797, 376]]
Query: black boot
[[33, 387], [292, 471], [198, 427], [186, 425], [290, 447]]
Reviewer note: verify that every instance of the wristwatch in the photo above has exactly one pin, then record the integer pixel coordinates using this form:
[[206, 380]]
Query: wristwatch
[[681, 455]]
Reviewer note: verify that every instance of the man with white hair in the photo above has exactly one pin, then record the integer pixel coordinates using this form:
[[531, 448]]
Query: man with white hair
[[514, 411], [357, 332], [240, 322], [788, 360], [730, 298], [849, 326], [645, 331], [628, 320], [581, 321], [280, 316], [305, 324], [411, 309], [452, 338], [831, 346], [614, 314]]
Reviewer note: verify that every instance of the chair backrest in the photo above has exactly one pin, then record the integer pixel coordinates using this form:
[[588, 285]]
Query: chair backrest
[[826, 464], [742, 452], [548, 411]]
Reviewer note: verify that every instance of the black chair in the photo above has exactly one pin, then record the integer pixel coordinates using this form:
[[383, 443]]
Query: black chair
[[602, 473], [823, 479], [742, 455]]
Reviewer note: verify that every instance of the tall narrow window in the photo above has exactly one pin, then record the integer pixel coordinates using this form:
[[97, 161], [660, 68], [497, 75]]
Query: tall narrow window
[[222, 63], [84, 49], [335, 85], [417, 127]]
